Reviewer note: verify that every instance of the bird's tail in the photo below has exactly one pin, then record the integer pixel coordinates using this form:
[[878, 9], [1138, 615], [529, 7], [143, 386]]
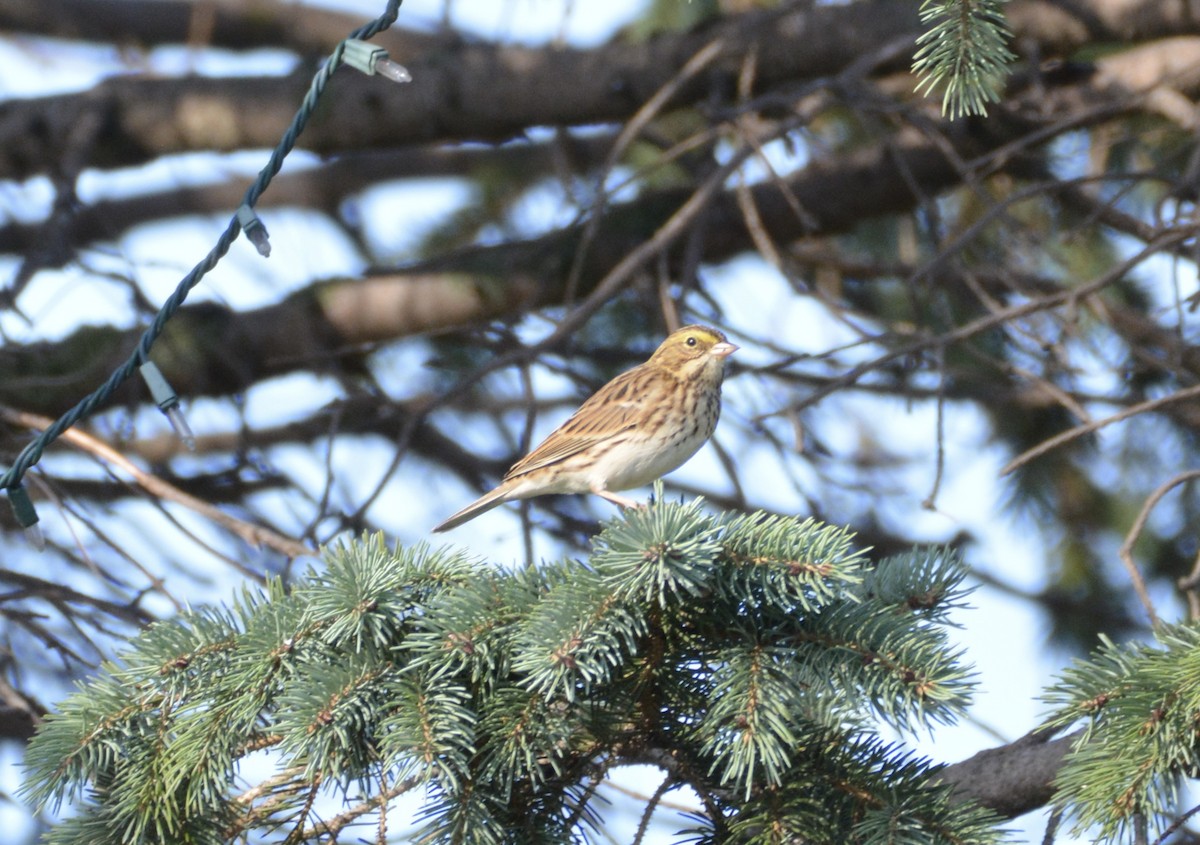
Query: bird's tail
[[481, 505]]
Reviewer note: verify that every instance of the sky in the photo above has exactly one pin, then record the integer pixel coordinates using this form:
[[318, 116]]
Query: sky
[[1003, 637]]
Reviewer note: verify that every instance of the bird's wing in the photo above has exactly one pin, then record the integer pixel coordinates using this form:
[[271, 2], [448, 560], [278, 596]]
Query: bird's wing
[[614, 408]]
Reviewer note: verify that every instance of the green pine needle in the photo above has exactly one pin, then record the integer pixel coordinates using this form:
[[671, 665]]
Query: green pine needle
[[762, 652], [963, 51]]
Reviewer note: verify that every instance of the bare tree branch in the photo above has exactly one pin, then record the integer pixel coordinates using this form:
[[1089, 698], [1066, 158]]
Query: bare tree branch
[[321, 188], [235, 26], [255, 535], [469, 92]]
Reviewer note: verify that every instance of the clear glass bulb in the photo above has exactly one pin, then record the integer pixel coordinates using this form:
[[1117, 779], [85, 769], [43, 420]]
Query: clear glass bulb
[[258, 237], [393, 70], [35, 537], [180, 424]]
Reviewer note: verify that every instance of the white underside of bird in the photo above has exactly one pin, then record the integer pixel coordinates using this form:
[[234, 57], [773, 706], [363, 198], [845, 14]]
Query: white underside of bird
[[642, 461]]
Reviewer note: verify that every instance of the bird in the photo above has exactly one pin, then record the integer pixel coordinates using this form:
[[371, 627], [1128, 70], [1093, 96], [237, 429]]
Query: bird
[[643, 424]]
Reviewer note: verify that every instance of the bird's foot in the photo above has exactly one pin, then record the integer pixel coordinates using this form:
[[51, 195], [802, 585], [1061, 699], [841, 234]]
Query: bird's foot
[[619, 501]]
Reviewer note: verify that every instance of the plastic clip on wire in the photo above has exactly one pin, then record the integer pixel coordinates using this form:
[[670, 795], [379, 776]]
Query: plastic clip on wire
[[27, 516]]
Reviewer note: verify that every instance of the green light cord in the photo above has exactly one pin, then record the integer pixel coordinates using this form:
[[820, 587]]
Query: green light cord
[[31, 454]]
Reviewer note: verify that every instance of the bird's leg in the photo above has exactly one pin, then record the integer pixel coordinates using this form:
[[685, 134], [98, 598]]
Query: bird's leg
[[619, 501]]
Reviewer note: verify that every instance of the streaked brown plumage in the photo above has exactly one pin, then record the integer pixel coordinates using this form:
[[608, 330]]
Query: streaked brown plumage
[[638, 427]]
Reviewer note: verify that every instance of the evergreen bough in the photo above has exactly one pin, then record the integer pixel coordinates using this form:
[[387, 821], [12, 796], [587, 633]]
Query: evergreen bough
[[750, 658], [1139, 704], [964, 51]]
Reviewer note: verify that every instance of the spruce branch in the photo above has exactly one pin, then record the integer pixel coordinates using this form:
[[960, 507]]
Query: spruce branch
[[1139, 704], [753, 657], [964, 51]]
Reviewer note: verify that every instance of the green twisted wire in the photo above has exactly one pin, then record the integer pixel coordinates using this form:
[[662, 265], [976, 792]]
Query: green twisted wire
[[32, 453]]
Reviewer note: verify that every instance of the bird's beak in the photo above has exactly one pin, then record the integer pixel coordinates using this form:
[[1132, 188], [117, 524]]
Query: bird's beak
[[723, 350]]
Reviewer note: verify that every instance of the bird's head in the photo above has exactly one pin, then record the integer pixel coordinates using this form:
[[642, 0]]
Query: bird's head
[[694, 352]]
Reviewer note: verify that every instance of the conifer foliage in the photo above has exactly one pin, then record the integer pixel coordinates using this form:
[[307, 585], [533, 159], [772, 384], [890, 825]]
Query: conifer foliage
[[1138, 703], [751, 658]]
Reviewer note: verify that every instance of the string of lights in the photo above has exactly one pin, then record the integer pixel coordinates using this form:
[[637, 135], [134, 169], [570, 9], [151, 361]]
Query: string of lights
[[353, 51]]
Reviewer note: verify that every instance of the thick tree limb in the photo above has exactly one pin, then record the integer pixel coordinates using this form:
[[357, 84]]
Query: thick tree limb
[[211, 350], [323, 188], [249, 25], [1011, 779], [485, 92], [1057, 27], [16, 723]]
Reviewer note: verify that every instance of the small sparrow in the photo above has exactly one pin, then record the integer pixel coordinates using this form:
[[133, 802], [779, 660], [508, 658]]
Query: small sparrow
[[637, 428]]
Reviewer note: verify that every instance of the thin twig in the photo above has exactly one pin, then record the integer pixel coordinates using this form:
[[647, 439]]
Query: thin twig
[[526, 443], [255, 535], [620, 275], [1052, 826], [677, 806], [985, 323], [1126, 551], [331, 828], [1174, 826], [1086, 429], [1189, 584], [381, 833], [652, 804], [649, 110], [939, 463]]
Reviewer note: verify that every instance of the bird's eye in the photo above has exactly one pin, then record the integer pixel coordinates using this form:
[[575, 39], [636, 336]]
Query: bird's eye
[[691, 341]]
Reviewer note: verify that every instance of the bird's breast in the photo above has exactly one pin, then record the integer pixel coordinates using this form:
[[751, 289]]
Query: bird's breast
[[639, 456]]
